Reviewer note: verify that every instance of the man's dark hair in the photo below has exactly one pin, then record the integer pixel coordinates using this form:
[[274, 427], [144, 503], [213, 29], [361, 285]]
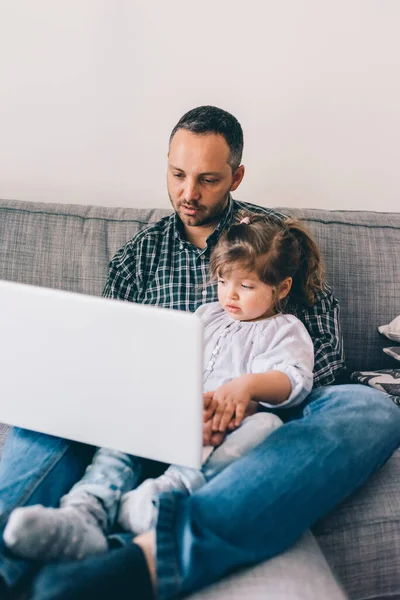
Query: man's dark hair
[[204, 120]]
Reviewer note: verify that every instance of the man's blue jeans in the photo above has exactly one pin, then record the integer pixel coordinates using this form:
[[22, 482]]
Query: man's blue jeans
[[259, 505], [35, 469], [254, 509]]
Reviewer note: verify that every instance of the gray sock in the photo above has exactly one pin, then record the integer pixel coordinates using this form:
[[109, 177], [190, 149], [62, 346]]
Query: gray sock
[[40, 533]]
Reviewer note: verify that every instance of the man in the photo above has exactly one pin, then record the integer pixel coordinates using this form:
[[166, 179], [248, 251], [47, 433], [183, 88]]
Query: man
[[328, 447]]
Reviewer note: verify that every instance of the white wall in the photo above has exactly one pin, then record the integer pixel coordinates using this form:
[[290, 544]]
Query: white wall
[[90, 89]]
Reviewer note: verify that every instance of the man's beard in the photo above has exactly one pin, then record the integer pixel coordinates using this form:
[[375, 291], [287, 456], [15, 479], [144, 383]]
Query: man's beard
[[204, 216]]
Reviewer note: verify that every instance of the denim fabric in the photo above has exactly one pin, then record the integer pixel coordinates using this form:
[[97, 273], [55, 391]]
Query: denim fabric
[[261, 504], [110, 474], [35, 469], [256, 507]]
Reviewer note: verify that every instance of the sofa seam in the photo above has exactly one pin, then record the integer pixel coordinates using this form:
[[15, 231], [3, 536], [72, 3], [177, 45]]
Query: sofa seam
[[368, 226], [83, 218], [306, 219]]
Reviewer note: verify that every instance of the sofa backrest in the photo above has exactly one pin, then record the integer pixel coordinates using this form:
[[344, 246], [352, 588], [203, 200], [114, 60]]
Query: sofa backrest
[[69, 247]]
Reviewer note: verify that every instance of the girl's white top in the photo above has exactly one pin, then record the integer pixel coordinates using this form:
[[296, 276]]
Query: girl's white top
[[233, 348]]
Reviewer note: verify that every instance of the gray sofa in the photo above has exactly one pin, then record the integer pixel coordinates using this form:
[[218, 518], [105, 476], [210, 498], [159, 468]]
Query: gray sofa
[[69, 247]]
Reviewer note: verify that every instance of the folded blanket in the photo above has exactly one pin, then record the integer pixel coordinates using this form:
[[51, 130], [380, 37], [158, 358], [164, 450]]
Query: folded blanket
[[385, 380]]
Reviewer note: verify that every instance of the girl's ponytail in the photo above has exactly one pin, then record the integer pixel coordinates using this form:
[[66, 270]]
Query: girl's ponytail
[[309, 277]]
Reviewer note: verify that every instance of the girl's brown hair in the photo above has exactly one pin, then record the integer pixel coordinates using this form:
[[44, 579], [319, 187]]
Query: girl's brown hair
[[275, 248]]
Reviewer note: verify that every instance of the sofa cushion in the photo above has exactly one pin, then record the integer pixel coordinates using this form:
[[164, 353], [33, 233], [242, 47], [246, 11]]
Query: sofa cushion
[[361, 252], [64, 247], [361, 538], [3, 434], [69, 247], [310, 578]]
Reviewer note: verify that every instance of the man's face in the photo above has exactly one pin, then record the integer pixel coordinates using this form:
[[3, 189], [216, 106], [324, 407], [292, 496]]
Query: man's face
[[199, 177]]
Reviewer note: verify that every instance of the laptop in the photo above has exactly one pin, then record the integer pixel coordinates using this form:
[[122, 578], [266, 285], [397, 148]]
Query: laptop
[[104, 372]]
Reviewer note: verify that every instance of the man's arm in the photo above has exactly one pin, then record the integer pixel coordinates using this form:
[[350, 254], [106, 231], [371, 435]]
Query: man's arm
[[121, 282], [322, 323]]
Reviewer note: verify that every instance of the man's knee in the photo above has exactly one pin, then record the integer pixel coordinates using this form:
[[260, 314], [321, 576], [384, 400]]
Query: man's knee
[[358, 404], [364, 396]]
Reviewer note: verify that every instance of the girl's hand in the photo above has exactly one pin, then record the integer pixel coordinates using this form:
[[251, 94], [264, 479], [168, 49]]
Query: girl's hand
[[232, 398]]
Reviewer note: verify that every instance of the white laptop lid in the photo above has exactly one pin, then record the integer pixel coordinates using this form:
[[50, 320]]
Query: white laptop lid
[[103, 372]]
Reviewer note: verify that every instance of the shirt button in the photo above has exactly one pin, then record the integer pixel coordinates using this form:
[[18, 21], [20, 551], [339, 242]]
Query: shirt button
[[202, 257], [204, 292], [180, 246]]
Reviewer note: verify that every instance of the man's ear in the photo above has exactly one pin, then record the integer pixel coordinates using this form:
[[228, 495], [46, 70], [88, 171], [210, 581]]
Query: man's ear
[[237, 178], [285, 288]]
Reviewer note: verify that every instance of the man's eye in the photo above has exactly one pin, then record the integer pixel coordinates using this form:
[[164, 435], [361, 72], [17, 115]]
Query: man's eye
[[247, 287], [178, 175], [211, 181], [221, 281]]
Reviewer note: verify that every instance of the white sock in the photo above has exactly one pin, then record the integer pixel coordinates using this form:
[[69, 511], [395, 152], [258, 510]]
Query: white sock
[[138, 511]]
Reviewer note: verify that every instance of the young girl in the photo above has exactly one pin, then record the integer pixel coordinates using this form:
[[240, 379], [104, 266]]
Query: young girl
[[255, 355]]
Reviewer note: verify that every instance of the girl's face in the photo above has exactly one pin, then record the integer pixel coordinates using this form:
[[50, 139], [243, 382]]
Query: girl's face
[[244, 297]]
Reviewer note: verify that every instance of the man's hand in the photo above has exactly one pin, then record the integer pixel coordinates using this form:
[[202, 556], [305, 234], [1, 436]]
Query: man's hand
[[210, 437], [209, 406], [232, 399]]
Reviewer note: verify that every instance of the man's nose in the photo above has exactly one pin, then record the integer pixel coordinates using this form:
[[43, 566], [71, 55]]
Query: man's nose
[[192, 191]]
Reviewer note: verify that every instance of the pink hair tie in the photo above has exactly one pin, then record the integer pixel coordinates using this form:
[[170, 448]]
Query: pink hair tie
[[246, 221]]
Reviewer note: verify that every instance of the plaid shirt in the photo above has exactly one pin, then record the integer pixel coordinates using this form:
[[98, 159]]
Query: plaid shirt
[[159, 266]]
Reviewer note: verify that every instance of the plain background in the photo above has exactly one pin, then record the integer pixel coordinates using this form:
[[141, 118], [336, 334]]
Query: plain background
[[90, 89]]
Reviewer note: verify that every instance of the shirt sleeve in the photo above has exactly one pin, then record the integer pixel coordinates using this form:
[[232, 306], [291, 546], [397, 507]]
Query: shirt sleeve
[[290, 351], [121, 283], [322, 323]]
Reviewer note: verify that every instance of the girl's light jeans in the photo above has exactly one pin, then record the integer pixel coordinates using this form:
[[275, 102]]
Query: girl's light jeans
[[111, 473]]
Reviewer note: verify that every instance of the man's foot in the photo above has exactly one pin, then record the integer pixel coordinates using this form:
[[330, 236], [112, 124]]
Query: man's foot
[[121, 574], [48, 534]]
